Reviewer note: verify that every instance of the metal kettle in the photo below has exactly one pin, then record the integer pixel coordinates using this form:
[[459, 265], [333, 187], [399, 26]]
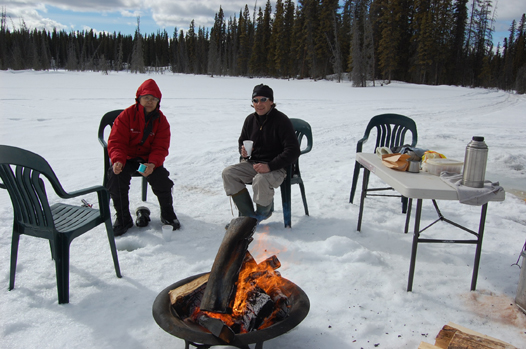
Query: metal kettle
[[475, 162]]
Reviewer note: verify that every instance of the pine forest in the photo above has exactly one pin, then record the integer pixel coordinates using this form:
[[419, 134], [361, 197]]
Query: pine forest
[[435, 42]]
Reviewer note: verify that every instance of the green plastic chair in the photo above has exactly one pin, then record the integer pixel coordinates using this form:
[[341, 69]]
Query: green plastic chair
[[107, 120], [21, 171], [302, 129], [391, 130]]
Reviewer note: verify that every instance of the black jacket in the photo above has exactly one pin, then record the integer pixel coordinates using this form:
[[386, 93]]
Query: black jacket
[[274, 138]]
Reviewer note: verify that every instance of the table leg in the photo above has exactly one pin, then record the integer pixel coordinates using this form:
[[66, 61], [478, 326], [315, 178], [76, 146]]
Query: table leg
[[415, 245], [408, 215], [479, 246], [365, 182]]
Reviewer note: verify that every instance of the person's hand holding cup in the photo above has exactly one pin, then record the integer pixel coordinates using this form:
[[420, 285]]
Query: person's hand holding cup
[[247, 145]]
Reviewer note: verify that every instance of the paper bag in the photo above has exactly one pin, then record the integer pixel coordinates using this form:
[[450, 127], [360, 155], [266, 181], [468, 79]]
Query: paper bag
[[396, 161]]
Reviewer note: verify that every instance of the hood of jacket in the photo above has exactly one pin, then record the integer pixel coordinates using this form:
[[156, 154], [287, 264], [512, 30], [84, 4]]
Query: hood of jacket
[[149, 87]]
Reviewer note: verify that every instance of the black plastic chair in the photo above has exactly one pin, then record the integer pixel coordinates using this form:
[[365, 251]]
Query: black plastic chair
[[20, 171], [107, 120], [391, 130], [302, 129]]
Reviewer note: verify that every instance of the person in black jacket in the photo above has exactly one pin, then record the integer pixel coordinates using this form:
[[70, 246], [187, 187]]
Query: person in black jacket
[[275, 147]]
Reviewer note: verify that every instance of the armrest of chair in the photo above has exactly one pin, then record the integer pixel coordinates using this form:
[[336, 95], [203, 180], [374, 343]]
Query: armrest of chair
[[76, 193], [2, 186], [102, 193], [360, 143]]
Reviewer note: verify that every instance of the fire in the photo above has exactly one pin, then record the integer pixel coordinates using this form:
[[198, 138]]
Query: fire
[[254, 275], [254, 279]]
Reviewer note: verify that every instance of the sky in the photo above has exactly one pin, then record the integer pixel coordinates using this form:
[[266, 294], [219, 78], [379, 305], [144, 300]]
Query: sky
[[121, 15], [356, 281]]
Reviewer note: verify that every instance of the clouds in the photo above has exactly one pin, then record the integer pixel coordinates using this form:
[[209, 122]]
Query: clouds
[[509, 10], [78, 14]]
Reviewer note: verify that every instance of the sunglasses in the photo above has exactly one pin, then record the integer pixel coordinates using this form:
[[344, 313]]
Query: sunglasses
[[262, 100]]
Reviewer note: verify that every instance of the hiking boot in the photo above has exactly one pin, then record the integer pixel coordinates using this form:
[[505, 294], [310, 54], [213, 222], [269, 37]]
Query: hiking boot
[[120, 228], [143, 216], [264, 212], [173, 222]]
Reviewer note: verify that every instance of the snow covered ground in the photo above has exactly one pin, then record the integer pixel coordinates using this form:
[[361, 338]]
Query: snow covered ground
[[356, 281]]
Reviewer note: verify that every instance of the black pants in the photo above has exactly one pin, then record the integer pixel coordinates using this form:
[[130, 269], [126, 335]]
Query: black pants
[[159, 180]]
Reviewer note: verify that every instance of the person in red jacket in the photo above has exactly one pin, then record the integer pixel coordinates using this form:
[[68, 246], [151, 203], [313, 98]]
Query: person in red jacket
[[140, 135]]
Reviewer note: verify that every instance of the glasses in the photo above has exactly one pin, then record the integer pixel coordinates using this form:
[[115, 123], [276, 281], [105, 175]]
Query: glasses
[[150, 98], [262, 100]]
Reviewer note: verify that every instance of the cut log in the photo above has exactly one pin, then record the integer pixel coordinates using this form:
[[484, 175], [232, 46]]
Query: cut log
[[217, 328], [463, 340], [227, 264], [189, 301], [259, 306], [453, 336], [271, 262], [186, 289]]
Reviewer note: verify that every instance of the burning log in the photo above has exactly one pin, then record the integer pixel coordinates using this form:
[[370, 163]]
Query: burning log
[[186, 298], [259, 305], [216, 327], [228, 261]]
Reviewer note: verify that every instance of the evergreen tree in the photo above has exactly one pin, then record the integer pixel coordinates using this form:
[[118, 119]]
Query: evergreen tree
[[390, 36], [457, 61], [137, 59], [325, 36], [245, 33]]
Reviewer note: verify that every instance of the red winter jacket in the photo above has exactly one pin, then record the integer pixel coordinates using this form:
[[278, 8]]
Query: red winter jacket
[[128, 129]]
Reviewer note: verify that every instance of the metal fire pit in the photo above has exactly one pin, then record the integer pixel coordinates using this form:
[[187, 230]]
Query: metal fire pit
[[199, 337]]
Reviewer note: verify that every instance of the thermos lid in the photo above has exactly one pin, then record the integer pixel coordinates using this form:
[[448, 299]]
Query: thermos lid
[[478, 138]]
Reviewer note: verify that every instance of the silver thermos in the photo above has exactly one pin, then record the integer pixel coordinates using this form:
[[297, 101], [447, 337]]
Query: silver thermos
[[475, 163]]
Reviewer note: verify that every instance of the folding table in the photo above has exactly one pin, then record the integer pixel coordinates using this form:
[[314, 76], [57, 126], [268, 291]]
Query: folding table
[[421, 186]]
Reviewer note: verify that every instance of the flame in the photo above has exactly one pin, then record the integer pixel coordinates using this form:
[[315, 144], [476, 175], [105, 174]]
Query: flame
[[251, 276]]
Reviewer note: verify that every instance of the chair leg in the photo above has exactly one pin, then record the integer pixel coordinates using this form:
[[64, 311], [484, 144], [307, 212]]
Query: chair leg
[[111, 239], [144, 188], [61, 246], [286, 202], [355, 176], [14, 254], [304, 198]]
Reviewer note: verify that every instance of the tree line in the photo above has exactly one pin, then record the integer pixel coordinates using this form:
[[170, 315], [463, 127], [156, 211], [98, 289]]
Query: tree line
[[418, 41]]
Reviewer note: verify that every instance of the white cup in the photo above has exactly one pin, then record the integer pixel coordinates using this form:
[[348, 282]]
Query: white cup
[[167, 232], [248, 147]]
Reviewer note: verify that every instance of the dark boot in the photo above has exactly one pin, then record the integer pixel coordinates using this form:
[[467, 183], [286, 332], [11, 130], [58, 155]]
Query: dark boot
[[264, 212], [244, 204], [173, 222], [143, 216], [122, 224]]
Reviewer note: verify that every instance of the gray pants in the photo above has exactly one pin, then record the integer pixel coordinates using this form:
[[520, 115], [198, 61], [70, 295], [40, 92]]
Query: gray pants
[[235, 178]]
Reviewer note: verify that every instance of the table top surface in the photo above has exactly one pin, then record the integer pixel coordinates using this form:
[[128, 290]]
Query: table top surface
[[422, 185]]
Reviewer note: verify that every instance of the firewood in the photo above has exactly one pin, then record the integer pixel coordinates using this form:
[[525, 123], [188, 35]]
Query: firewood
[[188, 288], [271, 262], [185, 305], [259, 306], [217, 328], [463, 340], [227, 264], [444, 336], [454, 336]]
